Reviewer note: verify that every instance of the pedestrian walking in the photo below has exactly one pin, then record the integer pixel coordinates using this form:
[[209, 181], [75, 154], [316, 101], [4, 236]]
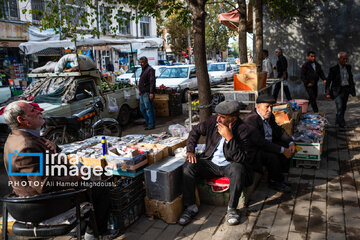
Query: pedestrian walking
[[266, 64], [147, 89], [310, 73], [281, 68], [339, 85]]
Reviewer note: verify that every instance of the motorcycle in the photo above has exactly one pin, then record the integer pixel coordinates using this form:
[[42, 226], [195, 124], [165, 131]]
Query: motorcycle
[[80, 126]]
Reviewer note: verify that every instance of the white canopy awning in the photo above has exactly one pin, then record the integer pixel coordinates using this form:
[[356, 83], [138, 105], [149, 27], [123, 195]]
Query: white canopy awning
[[33, 47]]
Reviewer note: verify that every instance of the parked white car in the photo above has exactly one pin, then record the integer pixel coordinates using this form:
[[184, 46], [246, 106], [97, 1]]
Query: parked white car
[[5, 93], [136, 76], [220, 72], [129, 74], [181, 77]]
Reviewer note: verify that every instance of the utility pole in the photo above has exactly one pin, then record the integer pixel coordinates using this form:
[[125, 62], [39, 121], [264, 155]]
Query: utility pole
[[189, 44]]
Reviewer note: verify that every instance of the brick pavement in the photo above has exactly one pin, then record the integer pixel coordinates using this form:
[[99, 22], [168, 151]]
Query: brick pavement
[[324, 203]]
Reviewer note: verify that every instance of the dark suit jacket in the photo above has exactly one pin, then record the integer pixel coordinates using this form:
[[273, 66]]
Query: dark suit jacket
[[308, 75], [333, 83], [279, 135], [24, 142], [147, 81]]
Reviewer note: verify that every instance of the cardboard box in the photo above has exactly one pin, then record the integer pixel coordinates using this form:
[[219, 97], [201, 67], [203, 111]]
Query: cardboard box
[[175, 146], [161, 107], [250, 81], [308, 151], [288, 127], [24, 83], [248, 68], [158, 152], [162, 97], [281, 117], [167, 211], [163, 180]]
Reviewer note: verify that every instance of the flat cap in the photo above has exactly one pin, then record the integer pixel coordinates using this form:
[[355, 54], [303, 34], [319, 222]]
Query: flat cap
[[229, 107], [265, 99], [278, 50]]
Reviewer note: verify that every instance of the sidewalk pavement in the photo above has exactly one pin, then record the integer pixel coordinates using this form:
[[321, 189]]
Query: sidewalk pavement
[[323, 204]]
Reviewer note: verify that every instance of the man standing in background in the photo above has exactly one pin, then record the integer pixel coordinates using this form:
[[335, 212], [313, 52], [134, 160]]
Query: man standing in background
[[147, 89], [281, 68], [339, 85], [310, 73], [266, 64]]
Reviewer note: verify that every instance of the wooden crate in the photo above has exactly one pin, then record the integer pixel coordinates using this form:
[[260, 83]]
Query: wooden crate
[[161, 108]]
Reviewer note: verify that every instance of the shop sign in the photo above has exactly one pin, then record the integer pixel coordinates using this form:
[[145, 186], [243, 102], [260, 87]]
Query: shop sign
[[14, 31]]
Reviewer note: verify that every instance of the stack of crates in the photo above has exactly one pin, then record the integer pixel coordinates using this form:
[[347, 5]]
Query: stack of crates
[[127, 202], [175, 105]]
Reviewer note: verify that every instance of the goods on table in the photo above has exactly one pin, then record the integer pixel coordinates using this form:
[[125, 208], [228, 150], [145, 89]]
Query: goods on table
[[309, 135]]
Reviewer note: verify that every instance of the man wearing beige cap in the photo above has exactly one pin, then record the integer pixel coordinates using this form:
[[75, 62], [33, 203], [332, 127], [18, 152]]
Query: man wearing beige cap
[[228, 153]]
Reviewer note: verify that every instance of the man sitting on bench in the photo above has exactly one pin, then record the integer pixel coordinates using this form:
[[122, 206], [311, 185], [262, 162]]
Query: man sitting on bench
[[226, 154], [278, 147]]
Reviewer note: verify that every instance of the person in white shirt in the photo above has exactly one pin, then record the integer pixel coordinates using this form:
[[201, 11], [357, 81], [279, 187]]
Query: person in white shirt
[[266, 64]]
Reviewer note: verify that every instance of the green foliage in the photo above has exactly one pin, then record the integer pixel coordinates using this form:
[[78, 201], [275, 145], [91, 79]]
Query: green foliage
[[216, 34], [178, 37]]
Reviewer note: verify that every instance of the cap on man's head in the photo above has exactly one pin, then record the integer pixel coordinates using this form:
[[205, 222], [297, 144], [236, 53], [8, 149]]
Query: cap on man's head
[[229, 107], [278, 50], [265, 99]]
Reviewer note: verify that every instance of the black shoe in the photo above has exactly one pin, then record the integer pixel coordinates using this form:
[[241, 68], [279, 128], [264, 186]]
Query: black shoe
[[280, 186], [232, 217], [150, 128], [186, 217]]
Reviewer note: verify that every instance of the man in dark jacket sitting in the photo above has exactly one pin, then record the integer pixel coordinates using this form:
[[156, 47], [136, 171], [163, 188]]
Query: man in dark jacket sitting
[[278, 146], [228, 153]]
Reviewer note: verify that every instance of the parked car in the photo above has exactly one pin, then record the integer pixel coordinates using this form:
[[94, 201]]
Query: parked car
[[234, 63], [5, 93], [164, 62], [220, 72], [181, 77], [129, 74], [136, 76]]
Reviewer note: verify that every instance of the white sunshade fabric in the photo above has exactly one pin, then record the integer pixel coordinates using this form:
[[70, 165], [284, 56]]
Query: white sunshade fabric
[[33, 47]]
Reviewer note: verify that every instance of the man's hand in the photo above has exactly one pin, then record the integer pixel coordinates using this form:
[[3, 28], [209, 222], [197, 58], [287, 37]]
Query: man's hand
[[287, 153], [328, 96], [191, 157], [309, 85], [139, 93], [225, 131], [151, 96], [292, 148], [324, 81], [49, 144]]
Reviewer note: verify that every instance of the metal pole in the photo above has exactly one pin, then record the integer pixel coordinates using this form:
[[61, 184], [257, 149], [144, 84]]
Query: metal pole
[[190, 109], [282, 90]]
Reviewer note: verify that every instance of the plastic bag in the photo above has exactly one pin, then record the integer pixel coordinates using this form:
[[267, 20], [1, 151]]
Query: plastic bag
[[127, 94], [178, 130], [85, 62], [112, 105]]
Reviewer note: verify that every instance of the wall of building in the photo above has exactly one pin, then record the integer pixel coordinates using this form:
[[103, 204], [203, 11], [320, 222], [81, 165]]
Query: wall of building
[[334, 27]]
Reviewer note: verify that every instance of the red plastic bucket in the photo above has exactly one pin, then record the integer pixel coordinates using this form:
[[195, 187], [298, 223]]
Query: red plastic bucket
[[303, 103]]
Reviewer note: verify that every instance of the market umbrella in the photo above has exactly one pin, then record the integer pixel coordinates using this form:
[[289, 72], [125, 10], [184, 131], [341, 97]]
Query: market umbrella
[[231, 20]]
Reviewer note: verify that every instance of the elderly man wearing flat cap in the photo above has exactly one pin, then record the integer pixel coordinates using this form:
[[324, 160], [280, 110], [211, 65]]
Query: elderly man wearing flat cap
[[227, 153], [277, 147]]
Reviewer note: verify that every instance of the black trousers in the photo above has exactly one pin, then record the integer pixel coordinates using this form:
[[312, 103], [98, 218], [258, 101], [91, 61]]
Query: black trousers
[[286, 90], [313, 92], [100, 197], [275, 164], [207, 169], [341, 102]]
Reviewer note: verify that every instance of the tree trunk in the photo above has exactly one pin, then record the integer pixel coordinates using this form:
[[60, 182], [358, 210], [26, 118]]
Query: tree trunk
[[197, 9], [242, 31], [259, 33]]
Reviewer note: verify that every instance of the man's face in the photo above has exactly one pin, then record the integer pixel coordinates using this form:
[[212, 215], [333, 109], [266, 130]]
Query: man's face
[[143, 63], [32, 118], [225, 119], [278, 53], [311, 57], [343, 60], [264, 109], [264, 55]]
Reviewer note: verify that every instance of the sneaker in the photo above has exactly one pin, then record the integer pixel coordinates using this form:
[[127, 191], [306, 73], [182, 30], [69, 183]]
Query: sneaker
[[232, 217], [280, 186], [150, 128]]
